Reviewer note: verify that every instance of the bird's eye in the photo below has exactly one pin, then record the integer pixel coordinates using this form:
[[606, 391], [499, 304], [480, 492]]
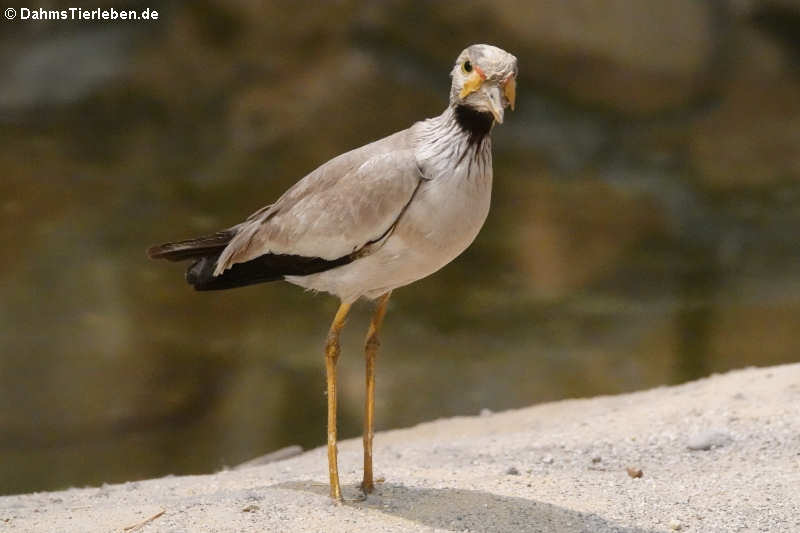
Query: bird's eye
[[467, 66]]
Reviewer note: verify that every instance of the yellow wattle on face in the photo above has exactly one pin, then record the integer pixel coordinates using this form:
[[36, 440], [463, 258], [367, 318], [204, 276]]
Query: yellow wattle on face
[[475, 80], [472, 84]]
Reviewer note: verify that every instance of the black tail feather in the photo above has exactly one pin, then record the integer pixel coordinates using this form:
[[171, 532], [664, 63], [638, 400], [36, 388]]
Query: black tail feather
[[192, 248]]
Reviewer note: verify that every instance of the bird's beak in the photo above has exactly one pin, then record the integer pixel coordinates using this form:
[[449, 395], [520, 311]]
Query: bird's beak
[[495, 102], [510, 90]]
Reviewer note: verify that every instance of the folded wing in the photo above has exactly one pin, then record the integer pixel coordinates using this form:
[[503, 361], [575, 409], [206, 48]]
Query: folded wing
[[332, 213], [328, 219]]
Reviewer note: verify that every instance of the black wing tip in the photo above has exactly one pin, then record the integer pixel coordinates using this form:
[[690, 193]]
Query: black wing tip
[[200, 275], [262, 269], [222, 284]]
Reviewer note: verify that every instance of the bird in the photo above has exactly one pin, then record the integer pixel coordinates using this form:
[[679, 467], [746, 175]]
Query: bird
[[371, 220]]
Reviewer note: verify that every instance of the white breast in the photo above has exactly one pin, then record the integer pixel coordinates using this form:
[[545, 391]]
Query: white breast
[[446, 216], [443, 218]]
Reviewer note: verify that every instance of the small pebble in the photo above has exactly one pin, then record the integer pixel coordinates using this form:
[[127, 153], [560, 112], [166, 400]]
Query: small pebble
[[547, 459], [675, 525], [634, 472], [251, 508], [596, 459], [512, 471]]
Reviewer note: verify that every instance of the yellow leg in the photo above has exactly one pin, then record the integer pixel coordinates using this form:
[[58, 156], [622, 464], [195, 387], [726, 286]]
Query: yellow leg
[[370, 350], [331, 357]]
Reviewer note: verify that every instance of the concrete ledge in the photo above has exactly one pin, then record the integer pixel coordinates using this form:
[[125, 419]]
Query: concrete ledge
[[719, 454]]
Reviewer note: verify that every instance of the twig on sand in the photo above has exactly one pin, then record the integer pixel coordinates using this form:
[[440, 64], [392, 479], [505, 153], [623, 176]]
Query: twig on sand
[[140, 525]]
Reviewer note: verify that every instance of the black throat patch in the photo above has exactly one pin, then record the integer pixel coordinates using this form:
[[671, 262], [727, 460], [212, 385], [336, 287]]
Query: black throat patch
[[476, 123]]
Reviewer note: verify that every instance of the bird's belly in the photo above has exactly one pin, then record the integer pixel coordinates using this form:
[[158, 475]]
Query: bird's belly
[[440, 223]]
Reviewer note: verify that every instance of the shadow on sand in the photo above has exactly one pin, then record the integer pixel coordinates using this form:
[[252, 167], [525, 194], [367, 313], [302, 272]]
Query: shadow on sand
[[459, 510]]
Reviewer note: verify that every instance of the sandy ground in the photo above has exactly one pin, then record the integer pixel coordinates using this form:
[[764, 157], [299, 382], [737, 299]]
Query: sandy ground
[[719, 454]]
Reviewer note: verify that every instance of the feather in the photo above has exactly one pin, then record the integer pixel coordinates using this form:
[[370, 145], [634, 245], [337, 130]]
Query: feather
[[262, 269], [335, 210], [192, 248]]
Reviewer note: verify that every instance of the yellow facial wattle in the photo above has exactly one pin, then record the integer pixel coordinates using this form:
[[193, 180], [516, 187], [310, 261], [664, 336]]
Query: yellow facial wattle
[[472, 84]]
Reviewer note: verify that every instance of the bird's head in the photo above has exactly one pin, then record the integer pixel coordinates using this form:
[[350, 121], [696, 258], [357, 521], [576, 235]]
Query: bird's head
[[484, 79]]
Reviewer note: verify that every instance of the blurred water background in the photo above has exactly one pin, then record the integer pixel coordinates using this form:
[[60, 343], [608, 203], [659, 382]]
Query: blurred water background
[[644, 227]]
